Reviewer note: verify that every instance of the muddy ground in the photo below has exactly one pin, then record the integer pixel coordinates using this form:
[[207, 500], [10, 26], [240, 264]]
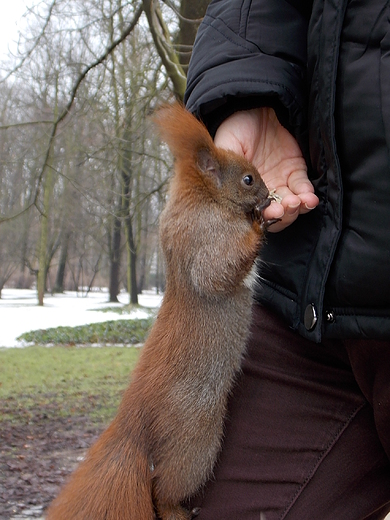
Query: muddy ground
[[36, 457]]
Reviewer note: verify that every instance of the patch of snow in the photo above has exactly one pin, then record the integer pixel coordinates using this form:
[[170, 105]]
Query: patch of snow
[[29, 512], [19, 311]]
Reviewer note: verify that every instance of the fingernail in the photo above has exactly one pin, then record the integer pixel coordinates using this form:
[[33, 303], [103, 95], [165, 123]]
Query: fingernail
[[309, 207], [292, 209]]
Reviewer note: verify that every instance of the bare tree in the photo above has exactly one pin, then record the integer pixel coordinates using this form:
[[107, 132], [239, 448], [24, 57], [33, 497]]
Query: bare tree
[[81, 176]]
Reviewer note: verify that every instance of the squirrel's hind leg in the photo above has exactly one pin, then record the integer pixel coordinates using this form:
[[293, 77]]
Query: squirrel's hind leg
[[170, 512]]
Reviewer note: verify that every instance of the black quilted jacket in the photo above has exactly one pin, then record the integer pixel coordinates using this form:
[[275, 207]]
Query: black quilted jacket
[[325, 68]]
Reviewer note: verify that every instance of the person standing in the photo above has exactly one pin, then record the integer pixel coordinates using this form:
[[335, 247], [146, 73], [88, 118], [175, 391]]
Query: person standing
[[302, 89]]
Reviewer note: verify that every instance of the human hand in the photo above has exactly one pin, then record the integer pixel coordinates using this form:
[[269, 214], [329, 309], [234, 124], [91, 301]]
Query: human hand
[[257, 135]]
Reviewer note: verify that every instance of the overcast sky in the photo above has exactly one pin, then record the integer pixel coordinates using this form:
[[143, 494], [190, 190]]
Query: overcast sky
[[11, 13]]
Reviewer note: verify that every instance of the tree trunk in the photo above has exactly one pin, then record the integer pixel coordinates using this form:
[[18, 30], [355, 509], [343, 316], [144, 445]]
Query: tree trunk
[[43, 267], [59, 283], [115, 260], [191, 14], [163, 43], [132, 264]]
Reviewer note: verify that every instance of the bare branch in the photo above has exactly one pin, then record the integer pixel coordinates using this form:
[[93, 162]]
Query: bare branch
[[36, 42], [179, 15], [26, 123], [20, 213], [62, 116], [98, 61], [162, 41], [66, 110]]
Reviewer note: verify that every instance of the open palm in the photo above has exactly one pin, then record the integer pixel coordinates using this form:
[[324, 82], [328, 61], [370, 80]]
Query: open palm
[[258, 135]]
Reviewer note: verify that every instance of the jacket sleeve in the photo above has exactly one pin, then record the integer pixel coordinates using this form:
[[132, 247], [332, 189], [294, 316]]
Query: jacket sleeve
[[250, 53]]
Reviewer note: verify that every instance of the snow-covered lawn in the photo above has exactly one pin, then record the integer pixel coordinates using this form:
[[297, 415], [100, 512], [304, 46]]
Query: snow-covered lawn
[[20, 313]]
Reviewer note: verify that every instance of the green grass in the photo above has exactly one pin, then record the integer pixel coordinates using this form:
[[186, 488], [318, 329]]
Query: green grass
[[126, 332], [63, 381], [69, 378], [127, 309]]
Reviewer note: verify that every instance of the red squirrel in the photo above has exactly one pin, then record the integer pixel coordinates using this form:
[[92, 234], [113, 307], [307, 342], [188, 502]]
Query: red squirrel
[[162, 445]]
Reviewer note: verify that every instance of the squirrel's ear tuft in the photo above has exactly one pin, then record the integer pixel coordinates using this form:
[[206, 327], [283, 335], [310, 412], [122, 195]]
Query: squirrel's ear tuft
[[182, 132], [209, 165]]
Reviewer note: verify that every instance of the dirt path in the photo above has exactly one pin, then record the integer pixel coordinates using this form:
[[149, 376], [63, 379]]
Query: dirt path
[[36, 458]]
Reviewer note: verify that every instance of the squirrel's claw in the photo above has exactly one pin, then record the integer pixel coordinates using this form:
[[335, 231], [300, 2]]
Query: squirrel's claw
[[267, 223]]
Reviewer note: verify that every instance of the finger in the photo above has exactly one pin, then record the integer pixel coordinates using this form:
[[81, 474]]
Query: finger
[[305, 201], [274, 211], [309, 201], [299, 183], [289, 209], [286, 220], [286, 197]]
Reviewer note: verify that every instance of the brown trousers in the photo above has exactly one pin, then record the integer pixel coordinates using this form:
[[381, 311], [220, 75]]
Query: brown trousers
[[307, 431]]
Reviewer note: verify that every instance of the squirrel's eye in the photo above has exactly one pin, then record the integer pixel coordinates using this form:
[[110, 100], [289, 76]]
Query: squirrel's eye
[[248, 180]]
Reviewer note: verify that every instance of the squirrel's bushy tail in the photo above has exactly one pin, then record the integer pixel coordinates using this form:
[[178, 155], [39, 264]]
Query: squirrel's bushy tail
[[112, 483]]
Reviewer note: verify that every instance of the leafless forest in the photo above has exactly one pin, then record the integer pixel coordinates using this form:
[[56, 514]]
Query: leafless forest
[[82, 175]]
